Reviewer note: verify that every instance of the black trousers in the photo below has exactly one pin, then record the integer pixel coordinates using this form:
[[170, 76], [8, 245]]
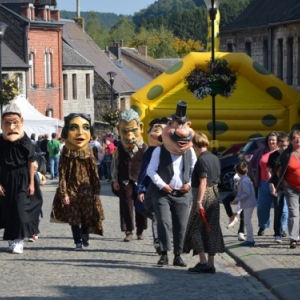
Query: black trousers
[[77, 231], [226, 201], [127, 220]]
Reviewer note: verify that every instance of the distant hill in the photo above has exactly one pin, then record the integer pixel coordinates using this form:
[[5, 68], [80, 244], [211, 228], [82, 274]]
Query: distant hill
[[106, 19], [166, 7], [187, 19]]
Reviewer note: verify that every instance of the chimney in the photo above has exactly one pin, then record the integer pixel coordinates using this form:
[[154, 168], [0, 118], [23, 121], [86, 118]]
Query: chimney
[[78, 20], [55, 14], [143, 50], [115, 49], [78, 8]]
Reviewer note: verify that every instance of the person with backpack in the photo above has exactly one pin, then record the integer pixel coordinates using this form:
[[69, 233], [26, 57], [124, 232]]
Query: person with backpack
[[54, 153]]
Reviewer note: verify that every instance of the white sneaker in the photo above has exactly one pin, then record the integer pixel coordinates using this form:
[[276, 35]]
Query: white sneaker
[[241, 237], [231, 224], [278, 239], [18, 248]]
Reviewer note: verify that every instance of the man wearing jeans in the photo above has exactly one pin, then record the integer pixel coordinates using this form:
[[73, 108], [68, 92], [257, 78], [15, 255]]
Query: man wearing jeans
[[53, 156]]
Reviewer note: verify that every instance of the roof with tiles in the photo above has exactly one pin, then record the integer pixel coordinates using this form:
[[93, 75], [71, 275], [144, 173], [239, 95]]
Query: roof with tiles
[[261, 13], [10, 60], [150, 61], [75, 37], [71, 58]]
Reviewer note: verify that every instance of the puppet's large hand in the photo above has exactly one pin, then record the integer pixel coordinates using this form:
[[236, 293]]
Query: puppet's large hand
[[2, 191], [31, 189], [66, 200], [116, 186], [96, 198]]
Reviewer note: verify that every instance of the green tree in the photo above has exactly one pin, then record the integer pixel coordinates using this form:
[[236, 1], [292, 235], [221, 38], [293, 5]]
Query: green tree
[[158, 41], [183, 48], [123, 30], [229, 10], [96, 31]]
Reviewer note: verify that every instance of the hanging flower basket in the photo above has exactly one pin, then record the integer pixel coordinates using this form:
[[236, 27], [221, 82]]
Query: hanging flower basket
[[218, 79], [111, 117], [9, 90]]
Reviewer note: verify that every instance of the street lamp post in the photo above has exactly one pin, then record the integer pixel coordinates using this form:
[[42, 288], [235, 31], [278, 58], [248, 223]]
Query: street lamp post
[[212, 7], [111, 76], [2, 31]]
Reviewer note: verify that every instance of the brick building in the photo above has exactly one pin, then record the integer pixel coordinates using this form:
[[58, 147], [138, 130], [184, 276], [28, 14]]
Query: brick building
[[37, 40]]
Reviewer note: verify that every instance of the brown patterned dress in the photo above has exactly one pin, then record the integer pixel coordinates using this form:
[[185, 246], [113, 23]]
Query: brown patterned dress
[[78, 179], [197, 237]]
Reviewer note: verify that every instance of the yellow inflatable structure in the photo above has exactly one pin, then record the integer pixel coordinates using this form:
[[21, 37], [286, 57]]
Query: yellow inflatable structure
[[260, 104]]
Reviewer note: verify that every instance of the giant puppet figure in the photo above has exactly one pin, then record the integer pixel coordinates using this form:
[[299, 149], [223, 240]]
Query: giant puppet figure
[[77, 199], [20, 195], [170, 169], [125, 168], [144, 202]]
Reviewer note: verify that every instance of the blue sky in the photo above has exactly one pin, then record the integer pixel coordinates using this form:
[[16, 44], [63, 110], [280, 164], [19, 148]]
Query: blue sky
[[125, 7]]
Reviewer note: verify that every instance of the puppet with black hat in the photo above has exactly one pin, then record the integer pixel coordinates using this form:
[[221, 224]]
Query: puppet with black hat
[[170, 170]]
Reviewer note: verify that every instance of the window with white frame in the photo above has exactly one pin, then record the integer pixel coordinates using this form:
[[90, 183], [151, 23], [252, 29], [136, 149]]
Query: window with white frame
[[48, 69], [31, 70]]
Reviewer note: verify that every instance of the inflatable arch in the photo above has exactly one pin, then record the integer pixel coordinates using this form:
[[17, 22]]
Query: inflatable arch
[[260, 104]]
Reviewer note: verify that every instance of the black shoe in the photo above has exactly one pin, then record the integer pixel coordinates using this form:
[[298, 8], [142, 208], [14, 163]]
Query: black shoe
[[200, 268], [178, 262], [293, 244], [85, 239], [158, 250], [211, 270], [163, 260], [283, 234], [261, 232]]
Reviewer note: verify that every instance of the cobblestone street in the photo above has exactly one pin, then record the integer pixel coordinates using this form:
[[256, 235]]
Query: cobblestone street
[[112, 269]]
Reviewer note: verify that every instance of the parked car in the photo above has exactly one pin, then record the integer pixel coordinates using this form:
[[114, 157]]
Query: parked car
[[228, 162], [235, 148]]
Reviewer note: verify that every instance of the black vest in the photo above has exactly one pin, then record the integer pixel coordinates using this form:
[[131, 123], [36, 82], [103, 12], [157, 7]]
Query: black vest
[[165, 167], [129, 167]]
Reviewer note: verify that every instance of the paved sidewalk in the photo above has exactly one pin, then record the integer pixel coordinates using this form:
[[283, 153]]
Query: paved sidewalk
[[277, 266], [112, 269]]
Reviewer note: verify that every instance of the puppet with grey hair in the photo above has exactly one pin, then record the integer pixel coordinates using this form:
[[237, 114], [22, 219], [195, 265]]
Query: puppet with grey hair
[[126, 166]]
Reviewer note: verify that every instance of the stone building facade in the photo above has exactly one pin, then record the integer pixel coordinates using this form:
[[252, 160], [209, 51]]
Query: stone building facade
[[78, 83], [272, 38]]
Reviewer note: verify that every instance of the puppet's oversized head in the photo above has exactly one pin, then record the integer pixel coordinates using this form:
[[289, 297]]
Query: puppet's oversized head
[[12, 123], [177, 135], [130, 129], [155, 130], [77, 131]]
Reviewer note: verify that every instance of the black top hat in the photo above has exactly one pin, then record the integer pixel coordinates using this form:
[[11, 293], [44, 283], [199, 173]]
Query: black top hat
[[180, 112]]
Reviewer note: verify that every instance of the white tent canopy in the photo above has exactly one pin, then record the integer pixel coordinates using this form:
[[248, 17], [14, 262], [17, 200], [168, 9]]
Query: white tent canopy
[[34, 121]]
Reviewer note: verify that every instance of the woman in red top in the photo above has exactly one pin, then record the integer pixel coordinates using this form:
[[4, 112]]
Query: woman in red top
[[289, 176], [261, 176]]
